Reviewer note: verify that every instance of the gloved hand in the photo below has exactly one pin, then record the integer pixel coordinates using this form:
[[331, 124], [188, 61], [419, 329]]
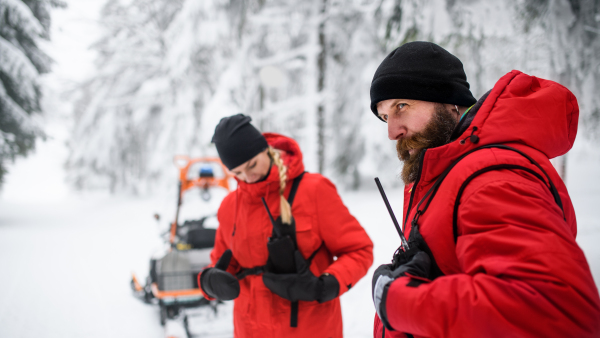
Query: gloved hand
[[414, 262], [302, 285], [218, 283]]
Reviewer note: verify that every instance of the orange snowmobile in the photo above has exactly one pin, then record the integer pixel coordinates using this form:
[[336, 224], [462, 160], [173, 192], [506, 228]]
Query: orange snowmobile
[[172, 280]]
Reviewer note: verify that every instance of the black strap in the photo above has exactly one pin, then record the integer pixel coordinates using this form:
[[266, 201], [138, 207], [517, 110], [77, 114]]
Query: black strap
[[257, 270], [294, 315], [433, 190], [483, 171], [294, 188], [408, 335], [294, 312], [277, 232], [310, 258]]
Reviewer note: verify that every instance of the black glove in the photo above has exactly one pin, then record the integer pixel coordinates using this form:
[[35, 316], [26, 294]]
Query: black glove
[[414, 262], [218, 283], [302, 285]]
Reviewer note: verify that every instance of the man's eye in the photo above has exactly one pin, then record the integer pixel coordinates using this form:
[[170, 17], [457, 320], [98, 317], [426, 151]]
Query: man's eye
[[384, 117], [401, 105], [252, 165]]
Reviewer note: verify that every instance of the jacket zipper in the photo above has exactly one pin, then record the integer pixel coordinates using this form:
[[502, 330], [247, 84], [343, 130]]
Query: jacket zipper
[[414, 189]]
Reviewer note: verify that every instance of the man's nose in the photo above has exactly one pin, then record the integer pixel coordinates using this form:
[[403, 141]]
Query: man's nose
[[395, 129]]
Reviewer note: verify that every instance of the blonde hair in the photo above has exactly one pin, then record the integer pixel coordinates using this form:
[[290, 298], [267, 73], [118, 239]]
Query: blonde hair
[[286, 210]]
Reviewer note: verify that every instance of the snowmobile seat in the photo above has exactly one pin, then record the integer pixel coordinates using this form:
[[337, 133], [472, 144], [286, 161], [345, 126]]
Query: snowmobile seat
[[196, 235], [201, 238]]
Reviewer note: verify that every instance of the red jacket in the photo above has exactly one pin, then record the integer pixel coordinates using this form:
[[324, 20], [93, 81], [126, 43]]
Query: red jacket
[[321, 218], [515, 270]]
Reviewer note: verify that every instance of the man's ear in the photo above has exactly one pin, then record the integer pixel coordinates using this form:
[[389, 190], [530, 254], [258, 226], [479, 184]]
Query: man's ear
[[456, 110]]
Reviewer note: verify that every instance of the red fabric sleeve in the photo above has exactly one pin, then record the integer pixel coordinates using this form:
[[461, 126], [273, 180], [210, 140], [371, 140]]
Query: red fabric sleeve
[[377, 327], [524, 275], [343, 236], [225, 217]]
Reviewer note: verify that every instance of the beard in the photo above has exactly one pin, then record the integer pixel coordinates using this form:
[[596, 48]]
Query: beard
[[437, 132]]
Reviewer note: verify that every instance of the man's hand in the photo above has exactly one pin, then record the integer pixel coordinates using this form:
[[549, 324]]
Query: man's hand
[[415, 264], [218, 283], [302, 285]]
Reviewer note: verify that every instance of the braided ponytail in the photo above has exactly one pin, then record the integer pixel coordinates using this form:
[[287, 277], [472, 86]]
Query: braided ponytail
[[286, 211]]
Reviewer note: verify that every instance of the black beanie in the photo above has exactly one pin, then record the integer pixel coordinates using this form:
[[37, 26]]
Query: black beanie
[[237, 141], [421, 71]]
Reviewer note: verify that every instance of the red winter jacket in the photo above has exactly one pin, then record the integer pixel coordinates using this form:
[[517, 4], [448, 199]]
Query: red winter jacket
[[515, 270], [321, 218]]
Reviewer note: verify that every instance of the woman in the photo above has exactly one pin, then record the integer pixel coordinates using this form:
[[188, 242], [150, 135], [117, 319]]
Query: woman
[[328, 251]]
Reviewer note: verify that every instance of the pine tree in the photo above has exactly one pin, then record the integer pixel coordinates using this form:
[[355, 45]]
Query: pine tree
[[156, 66], [22, 25]]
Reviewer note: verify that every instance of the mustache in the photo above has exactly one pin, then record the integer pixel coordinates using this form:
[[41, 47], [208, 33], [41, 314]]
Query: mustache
[[417, 142], [436, 133]]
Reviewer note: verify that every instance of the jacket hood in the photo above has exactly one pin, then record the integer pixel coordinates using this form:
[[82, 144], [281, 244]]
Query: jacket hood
[[292, 158], [523, 109]]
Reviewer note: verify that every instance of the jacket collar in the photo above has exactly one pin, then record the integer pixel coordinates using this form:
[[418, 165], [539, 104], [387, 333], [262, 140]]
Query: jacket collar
[[292, 158]]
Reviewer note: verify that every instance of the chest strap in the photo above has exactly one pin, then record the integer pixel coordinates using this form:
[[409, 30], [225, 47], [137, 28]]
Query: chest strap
[[426, 200], [433, 190], [257, 270]]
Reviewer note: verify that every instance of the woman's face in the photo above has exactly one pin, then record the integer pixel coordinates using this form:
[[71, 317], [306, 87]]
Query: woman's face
[[254, 169]]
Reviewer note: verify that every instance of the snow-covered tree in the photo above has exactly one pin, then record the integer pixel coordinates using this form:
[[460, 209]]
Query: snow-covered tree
[[169, 70], [22, 25], [158, 64]]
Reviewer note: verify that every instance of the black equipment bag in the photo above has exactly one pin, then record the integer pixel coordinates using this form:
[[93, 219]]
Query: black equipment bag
[[282, 243]]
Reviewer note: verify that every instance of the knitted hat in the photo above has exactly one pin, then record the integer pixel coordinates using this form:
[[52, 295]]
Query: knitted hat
[[421, 71], [237, 141]]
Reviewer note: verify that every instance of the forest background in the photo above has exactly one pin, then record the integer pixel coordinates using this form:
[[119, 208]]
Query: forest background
[[164, 72]]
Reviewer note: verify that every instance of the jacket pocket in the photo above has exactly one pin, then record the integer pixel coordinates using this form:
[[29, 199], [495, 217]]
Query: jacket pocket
[[249, 245], [307, 237]]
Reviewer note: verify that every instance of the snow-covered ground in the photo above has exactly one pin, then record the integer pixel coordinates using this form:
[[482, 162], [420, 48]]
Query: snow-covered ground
[[66, 258]]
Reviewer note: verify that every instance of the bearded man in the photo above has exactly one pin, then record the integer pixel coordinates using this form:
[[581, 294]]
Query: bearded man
[[490, 225]]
